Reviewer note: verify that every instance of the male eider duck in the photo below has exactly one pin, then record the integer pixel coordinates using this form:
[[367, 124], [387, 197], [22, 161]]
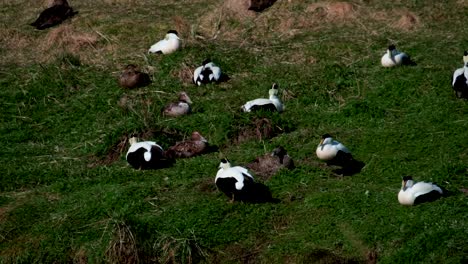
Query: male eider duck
[[460, 79], [196, 145], [267, 165], [207, 73], [335, 153], [271, 104], [168, 45], [146, 155], [239, 185], [394, 57], [179, 108], [412, 193], [131, 77], [54, 15]]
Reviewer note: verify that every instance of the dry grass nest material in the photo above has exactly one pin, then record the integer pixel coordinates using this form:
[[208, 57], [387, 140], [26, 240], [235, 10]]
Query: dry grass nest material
[[283, 18], [122, 248]]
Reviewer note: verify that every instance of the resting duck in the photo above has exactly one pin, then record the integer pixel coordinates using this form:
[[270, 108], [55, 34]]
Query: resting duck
[[335, 153], [197, 145], [238, 184], [131, 77], [146, 155], [168, 45], [179, 108], [207, 73], [394, 57], [460, 79], [271, 104], [267, 165], [54, 15], [412, 193]]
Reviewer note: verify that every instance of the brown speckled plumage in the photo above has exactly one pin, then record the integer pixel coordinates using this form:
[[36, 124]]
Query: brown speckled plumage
[[179, 108], [264, 167], [196, 145], [131, 77]]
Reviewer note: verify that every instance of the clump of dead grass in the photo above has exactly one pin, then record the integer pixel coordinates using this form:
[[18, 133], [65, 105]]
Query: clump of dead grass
[[122, 248], [408, 21], [68, 39], [179, 250], [184, 73], [333, 11]]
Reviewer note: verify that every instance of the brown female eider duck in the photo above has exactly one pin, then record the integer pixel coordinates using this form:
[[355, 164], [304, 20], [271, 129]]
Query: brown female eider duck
[[131, 77], [54, 15], [179, 108], [146, 155], [267, 165], [197, 145]]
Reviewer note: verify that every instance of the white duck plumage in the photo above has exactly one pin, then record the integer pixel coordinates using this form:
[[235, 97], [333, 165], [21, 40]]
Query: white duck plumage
[[411, 191], [146, 155], [206, 73], [328, 148], [169, 44], [273, 103], [394, 57], [227, 171], [460, 79]]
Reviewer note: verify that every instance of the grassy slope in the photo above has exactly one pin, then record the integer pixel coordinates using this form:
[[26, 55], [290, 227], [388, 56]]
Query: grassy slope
[[61, 114]]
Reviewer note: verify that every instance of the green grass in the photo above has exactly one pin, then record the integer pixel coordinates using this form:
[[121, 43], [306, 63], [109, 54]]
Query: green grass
[[63, 199]]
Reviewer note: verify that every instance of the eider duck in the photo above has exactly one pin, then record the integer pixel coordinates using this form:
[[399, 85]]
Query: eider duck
[[207, 73], [54, 15], [169, 44], [335, 153], [239, 185], [394, 57], [271, 104], [267, 165], [146, 155], [131, 77], [197, 145], [179, 108], [412, 193], [460, 79]]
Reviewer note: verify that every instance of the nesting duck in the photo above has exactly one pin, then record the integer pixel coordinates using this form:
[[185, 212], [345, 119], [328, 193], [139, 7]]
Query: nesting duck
[[208, 72], [146, 155], [412, 193], [179, 108], [131, 77], [271, 104], [239, 185], [54, 15], [460, 79], [196, 145], [168, 45], [267, 165], [394, 57], [335, 153]]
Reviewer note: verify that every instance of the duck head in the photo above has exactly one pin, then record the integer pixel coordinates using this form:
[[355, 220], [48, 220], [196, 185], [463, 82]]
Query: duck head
[[196, 136], [465, 58], [172, 34], [326, 139], [184, 98], [274, 90], [225, 164], [133, 140], [407, 182]]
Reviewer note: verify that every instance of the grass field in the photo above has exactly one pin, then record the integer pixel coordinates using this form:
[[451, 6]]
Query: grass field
[[67, 193]]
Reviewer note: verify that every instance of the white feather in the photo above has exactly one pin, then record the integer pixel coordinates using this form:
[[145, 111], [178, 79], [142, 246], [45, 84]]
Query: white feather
[[412, 190], [144, 144], [393, 58], [236, 172], [328, 149], [167, 45]]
